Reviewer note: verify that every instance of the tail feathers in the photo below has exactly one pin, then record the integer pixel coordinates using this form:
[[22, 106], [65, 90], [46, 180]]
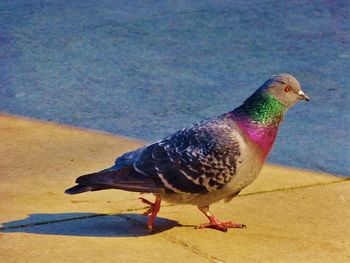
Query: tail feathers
[[77, 189], [123, 179]]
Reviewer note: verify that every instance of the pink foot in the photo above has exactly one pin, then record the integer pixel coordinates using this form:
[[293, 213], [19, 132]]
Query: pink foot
[[151, 205], [221, 226], [152, 211]]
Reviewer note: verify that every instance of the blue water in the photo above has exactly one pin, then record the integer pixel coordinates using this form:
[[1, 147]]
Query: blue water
[[147, 68]]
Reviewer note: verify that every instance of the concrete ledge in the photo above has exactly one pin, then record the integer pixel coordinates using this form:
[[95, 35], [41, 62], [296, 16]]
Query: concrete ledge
[[292, 215]]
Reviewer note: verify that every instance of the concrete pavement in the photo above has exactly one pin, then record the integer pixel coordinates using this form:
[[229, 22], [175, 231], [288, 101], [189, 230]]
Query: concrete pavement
[[292, 215]]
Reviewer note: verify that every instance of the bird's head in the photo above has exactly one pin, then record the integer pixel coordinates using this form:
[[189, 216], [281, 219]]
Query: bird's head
[[285, 88]]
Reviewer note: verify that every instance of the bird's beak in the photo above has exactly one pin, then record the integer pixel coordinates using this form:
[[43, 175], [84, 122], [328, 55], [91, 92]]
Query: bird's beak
[[303, 96]]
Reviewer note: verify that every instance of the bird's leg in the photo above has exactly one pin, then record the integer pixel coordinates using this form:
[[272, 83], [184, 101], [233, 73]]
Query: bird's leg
[[215, 223], [153, 210]]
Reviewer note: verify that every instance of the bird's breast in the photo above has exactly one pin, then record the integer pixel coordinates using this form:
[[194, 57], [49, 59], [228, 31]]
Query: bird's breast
[[249, 164], [259, 136]]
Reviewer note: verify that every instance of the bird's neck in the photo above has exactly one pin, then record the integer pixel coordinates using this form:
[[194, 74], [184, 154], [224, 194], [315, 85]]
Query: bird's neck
[[259, 118]]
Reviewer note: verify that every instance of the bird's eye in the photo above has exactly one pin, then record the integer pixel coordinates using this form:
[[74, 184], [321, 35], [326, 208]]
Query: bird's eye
[[287, 89]]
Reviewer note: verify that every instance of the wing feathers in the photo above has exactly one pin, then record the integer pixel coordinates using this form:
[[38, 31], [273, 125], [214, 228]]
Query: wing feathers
[[195, 160]]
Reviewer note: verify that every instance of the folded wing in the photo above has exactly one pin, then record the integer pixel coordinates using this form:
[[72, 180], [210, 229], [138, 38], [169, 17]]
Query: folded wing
[[196, 160]]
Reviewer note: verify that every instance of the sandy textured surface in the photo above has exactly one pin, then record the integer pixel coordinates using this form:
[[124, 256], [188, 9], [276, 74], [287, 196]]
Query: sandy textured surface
[[292, 215]]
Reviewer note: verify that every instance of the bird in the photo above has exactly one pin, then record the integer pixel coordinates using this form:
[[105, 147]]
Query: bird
[[211, 160]]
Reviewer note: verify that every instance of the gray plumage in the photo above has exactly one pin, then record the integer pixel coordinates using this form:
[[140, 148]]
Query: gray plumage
[[210, 161], [195, 160]]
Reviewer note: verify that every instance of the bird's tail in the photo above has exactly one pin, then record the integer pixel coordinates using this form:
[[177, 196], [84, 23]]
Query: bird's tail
[[124, 179], [78, 189]]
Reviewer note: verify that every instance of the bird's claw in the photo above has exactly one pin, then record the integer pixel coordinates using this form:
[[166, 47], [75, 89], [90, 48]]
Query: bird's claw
[[150, 229], [145, 201], [150, 209], [221, 226]]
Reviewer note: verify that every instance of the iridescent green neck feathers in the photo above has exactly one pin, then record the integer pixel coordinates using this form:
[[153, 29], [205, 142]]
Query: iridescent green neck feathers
[[259, 118], [262, 108]]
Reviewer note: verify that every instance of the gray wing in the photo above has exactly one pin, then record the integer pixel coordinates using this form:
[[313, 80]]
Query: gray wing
[[199, 159], [196, 160]]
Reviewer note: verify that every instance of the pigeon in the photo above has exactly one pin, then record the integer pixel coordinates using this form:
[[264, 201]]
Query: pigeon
[[210, 161]]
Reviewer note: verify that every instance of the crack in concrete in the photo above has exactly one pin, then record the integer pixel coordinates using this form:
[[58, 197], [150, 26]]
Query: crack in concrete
[[52, 221], [193, 249], [143, 208], [116, 213], [295, 187]]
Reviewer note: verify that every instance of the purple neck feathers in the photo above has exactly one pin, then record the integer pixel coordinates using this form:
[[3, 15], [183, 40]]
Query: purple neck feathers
[[259, 118], [263, 136]]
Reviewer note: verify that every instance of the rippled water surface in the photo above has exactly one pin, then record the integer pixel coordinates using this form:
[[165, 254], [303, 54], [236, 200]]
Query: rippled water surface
[[147, 68]]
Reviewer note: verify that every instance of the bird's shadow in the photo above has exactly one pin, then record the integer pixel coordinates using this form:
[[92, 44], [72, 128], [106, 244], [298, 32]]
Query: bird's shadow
[[87, 224]]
